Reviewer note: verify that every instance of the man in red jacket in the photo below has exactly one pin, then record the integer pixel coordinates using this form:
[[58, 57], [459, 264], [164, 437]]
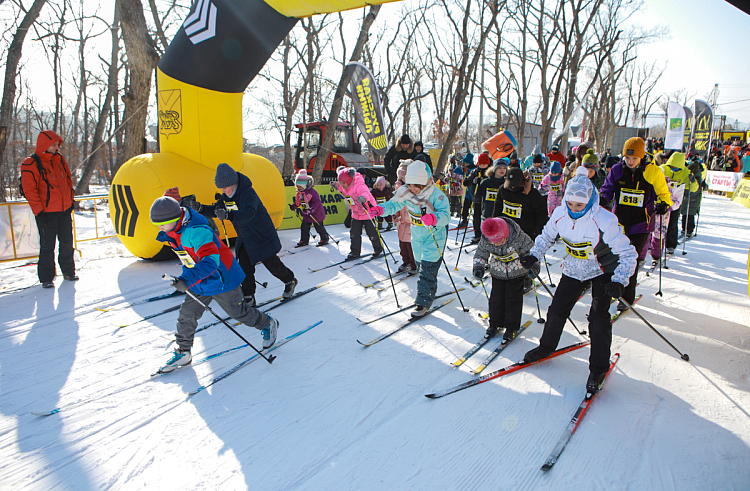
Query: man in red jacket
[[48, 187], [557, 156]]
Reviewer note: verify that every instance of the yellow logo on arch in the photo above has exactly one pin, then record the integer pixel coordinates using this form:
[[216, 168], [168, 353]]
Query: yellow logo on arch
[[170, 112]]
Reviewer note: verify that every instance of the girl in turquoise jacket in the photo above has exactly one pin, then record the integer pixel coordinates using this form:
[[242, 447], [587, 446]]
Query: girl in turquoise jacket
[[430, 213]]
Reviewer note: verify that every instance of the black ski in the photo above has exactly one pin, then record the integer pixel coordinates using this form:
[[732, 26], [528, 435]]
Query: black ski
[[377, 282], [145, 300], [410, 321], [338, 263], [577, 417], [439, 295], [499, 349], [363, 262]]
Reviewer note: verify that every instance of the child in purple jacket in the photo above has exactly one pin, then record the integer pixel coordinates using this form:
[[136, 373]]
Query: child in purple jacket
[[309, 208], [382, 193]]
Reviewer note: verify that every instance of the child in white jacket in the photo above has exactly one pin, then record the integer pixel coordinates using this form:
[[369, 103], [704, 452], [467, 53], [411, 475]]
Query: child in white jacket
[[597, 250]]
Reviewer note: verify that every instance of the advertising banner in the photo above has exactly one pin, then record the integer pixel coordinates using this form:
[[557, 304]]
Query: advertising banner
[[704, 118], [723, 181], [742, 194], [688, 127], [333, 203], [366, 99], [22, 240], [675, 127]]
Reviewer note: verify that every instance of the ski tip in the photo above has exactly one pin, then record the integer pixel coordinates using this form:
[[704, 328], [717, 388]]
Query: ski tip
[[48, 413], [363, 344], [431, 396], [547, 467]]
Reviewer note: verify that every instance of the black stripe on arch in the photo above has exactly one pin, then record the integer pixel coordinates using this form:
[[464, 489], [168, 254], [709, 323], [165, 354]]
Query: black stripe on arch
[[133, 209]]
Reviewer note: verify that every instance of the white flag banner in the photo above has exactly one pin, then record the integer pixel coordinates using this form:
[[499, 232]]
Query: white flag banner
[[676, 127]]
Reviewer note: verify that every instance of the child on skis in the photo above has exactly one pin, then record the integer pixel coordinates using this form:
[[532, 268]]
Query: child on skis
[[553, 185], [538, 170], [308, 206], [430, 213], [352, 185], [597, 251], [381, 191], [503, 244], [209, 271]]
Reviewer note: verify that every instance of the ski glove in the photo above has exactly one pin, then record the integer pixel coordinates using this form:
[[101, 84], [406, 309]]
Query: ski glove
[[478, 273], [613, 289], [361, 200], [223, 214], [180, 285], [196, 206], [528, 261], [661, 208], [429, 219], [377, 211], [334, 186]]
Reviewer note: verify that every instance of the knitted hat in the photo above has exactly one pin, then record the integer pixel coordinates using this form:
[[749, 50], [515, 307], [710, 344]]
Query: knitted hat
[[513, 155], [555, 147], [469, 158], [483, 160], [495, 229], [503, 162], [346, 175], [381, 180], [302, 179], [225, 176], [590, 160], [580, 188], [421, 157], [417, 173], [173, 193], [165, 210], [537, 159], [405, 140], [513, 178], [610, 162], [634, 147], [555, 168]]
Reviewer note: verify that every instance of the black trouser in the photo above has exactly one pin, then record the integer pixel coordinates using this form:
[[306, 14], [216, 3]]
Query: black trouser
[[639, 242], [466, 208], [477, 221], [55, 226], [690, 223], [600, 326], [455, 202], [506, 303], [674, 217], [305, 231], [273, 264], [355, 234]]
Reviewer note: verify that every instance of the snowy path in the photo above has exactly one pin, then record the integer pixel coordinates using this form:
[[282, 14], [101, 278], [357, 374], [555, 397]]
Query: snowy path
[[330, 414]]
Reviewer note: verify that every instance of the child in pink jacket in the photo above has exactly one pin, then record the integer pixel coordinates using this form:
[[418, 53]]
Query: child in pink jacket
[[554, 185], [352, 185]]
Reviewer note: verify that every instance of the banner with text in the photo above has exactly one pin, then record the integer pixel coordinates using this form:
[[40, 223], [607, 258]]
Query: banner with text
[[704, 119], [675, 129], [742, 193], [723, 181], [366, 99], [334, 204], [688, 128]]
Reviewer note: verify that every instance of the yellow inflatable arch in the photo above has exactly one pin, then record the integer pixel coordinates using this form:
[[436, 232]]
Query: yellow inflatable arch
[[220, 48]]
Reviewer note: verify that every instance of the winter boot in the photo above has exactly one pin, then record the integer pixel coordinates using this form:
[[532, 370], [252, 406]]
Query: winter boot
[[71, 277], [670, 250], [509, 336], [419, 311], [250, 300], [180, 358], [377, 254], [269, 333], [537, 354], [404, 267], [300, 244], [492, 332], [48, 284], [528, 285], [595, 381], [463, 223], [475, 240], [289, 288], [389, 227], [352, 256], [621, 307], [323, 241]]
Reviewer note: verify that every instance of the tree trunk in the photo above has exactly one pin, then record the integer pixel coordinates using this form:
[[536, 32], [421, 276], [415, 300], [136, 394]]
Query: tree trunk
[[141, 61], [333, 117], [90, 163], [9, 88]]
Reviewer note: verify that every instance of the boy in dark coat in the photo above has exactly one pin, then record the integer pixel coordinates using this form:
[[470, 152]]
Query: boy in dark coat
[[257, 239]]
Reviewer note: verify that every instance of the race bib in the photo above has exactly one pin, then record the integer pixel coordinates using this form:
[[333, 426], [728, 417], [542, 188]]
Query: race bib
[[581, 250], [303, 206], [231, 206], [185, 258], [416, 219], [538, 177], [555, 188], [632, 197], [491, 194], [504, 259], [512, 210], [380, 200]]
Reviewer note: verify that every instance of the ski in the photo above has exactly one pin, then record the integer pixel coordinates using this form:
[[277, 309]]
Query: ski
[[439, 295], [338, 263], [377, 282], [410, 321], [384, 286], [363, 262], [577, 417], [150, 316], [296, 250], [145, 300], [471, 352], [209, 358], [252, 359], [469, 229], [504, 371], [296, 295], [619, 313], [499, 349]]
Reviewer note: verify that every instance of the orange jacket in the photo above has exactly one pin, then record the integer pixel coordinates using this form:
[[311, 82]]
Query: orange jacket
[[53, 191]]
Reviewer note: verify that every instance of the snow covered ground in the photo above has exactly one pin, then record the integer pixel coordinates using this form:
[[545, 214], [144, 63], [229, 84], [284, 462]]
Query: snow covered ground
[[331, 414]]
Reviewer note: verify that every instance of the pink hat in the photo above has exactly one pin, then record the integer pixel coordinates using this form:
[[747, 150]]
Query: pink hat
[[495, 229], [346, 176], [380, 180]]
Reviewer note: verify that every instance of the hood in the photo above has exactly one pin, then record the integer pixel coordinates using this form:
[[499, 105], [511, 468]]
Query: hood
[[677, 160], [45, 139]]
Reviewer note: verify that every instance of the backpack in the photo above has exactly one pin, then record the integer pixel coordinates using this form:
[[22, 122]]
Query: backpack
[[41, 173]]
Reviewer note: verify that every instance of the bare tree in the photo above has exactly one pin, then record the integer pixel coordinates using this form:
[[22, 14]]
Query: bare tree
[[640, 81], [9, 84]]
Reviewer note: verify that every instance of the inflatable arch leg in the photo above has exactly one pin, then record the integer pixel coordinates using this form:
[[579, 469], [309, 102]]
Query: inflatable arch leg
[[220, 48]]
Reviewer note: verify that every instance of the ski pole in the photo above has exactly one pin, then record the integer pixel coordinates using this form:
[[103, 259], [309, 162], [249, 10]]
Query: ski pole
[[302, 221], [697, 219], [661, 250], [687, 219], [269, 359], [463, 238], [582, 333], [546, 265], [485, 288], [264, 284], [383, 244], [442, 258], [683, 356], [329, 235], [540, 320]]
